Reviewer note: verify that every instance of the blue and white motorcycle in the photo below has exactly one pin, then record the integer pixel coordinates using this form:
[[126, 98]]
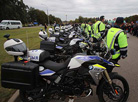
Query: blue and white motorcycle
[[73, 78], [67, 46]]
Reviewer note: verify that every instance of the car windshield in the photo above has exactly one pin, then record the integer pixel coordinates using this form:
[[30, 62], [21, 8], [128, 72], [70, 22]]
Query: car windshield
[[4, 23]]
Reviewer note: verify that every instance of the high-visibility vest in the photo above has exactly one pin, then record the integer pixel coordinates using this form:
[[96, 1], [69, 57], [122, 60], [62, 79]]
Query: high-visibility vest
[[83, 27], [98, 26], [111, 37]]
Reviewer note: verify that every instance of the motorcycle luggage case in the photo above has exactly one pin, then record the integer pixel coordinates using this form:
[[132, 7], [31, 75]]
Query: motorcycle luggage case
[[19, 75], [48, 46]]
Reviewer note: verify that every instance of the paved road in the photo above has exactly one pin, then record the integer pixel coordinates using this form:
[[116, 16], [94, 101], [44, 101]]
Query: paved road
[[128, 69]]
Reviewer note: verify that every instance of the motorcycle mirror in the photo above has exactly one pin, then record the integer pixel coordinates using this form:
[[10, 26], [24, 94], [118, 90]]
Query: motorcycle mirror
[[7, 36]]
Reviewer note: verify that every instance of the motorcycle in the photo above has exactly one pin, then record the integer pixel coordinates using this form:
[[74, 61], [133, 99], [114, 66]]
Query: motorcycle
[[57, 81], [62, 47]]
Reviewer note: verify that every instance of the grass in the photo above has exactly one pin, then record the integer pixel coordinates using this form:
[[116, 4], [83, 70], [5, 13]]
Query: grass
[[23, 34]]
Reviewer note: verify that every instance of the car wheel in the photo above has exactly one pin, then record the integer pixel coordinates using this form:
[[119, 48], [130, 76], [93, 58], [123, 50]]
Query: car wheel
[[7, 28]]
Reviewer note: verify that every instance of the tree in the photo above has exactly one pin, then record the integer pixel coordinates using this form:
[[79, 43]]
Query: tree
[[133, 18], [13, 9], [81, 20], [17, 10]]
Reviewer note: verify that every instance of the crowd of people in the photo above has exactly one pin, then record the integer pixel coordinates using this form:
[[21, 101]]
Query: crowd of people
[[115, 37], [132, 28], [115, 34]]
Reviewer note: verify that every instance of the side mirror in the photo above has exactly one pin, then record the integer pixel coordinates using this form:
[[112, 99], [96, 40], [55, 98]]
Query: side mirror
[[7, 36]]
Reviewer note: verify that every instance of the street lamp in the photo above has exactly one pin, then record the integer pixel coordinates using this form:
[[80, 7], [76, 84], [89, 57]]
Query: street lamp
[[66, 19], [47, 12]]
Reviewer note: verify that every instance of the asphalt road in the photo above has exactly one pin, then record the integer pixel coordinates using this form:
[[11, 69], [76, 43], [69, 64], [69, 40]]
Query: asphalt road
[[128, 69]]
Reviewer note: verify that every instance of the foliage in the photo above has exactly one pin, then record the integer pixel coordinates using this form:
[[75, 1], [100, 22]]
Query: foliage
[[17, 10], [84, 20], [37, 15], [133, 18], [13, 9]]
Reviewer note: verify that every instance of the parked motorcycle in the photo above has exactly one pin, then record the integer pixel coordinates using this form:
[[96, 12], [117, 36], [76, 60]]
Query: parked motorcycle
[[41, 80]]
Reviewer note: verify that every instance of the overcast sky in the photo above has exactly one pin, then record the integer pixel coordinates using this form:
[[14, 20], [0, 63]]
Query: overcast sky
[[86, 8]]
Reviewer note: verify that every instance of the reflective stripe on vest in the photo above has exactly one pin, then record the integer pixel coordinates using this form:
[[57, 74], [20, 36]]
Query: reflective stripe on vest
[[97, 35], [111, 46], [114, 38]]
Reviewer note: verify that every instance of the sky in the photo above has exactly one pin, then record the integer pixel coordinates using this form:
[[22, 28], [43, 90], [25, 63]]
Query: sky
[[72, 9]]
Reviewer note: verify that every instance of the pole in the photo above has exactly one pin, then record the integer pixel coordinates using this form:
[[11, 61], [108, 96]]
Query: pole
[[66, 19], [48, 17], [47, 14]]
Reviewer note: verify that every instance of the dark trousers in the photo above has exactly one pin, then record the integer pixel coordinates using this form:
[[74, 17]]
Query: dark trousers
[[95, 40], [110, 68]]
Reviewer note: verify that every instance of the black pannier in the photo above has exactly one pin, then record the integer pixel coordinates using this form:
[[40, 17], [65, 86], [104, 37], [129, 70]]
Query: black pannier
[[48, 46], [19, 75]]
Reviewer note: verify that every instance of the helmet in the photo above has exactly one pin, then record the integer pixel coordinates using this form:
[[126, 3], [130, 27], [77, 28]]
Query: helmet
[[57, 28], [15, 47], [62, 27], [50, 30], [42, 35]]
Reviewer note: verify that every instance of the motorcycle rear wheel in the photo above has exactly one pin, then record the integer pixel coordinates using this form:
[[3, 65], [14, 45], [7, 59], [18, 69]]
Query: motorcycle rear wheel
[[106, 94], [35, 95]]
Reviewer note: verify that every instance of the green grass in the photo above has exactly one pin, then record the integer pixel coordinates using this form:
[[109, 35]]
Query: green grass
[[34, 43]]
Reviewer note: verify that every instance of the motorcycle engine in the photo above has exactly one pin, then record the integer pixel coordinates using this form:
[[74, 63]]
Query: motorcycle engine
[[75, 86]]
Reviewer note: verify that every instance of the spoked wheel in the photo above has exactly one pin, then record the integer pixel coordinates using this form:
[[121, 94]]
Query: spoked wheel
[[117, 93]]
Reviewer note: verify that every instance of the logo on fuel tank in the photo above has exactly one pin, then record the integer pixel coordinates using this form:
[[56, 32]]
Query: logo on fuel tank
[[34, 57], [90, 67]]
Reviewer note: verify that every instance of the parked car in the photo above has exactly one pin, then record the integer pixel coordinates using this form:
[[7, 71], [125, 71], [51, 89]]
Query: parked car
[[10, 24], [30, 25]]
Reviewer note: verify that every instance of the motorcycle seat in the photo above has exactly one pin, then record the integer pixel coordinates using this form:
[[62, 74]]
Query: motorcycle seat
[[63, 45], [54, 66]]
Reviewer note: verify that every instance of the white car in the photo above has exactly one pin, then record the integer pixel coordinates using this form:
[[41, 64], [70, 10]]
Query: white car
[[10, 24]]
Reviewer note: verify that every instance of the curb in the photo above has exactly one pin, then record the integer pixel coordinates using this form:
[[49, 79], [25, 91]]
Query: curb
[[15, 97]]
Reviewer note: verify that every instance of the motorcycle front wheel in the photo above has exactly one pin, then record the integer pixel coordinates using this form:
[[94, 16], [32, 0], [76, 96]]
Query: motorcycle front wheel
[[118, 93]]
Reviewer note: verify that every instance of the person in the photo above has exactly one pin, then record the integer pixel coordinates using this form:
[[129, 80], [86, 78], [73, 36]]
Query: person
[[45, 26], [54, 24], [84, 29], [90, 29], [83, 26], [99, 29], [116, 41]]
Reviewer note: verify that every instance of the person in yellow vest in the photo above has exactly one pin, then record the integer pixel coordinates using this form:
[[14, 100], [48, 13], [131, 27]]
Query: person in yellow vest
[[99, 29], [116, 41], [83, 27], [90, 29]]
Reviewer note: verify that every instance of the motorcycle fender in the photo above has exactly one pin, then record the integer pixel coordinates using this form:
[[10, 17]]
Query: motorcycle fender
[[113, 73]]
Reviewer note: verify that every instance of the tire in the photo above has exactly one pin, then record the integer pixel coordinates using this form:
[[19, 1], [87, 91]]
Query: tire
[[18, 27], [34, 95], [104, 90], [7, 28]]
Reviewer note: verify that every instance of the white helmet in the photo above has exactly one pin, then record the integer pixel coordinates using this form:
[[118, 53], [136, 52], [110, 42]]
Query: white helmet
[[50, 30], [57, 28], [15, 47], [62, 27], [42, 35]]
